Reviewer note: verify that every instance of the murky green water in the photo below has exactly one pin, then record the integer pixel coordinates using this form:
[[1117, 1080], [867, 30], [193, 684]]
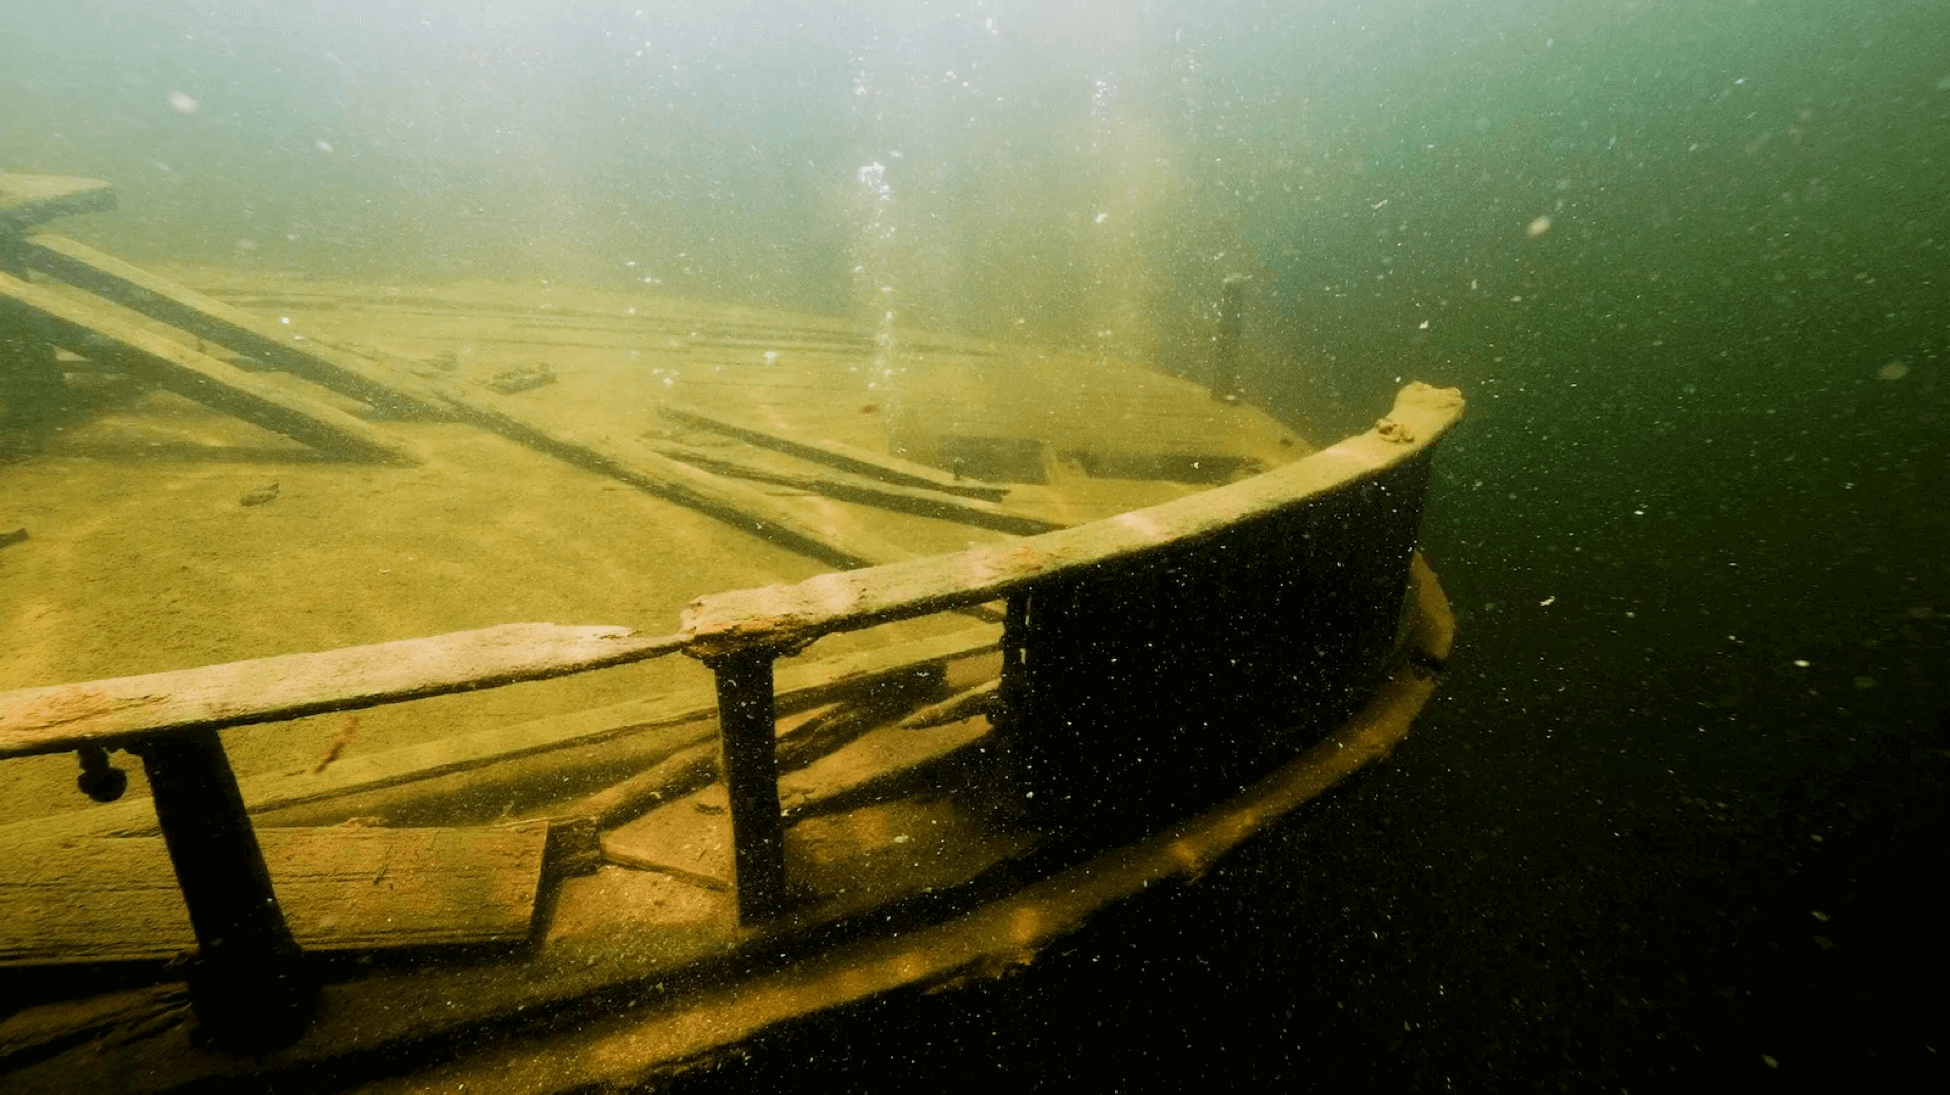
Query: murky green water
[[1686, 258]]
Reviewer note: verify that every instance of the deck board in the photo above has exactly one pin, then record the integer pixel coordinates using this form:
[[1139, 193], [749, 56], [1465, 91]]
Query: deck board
[[110, 899]]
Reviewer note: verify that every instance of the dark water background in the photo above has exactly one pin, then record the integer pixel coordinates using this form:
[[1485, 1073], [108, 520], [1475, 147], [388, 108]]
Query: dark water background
[[1677, 815]]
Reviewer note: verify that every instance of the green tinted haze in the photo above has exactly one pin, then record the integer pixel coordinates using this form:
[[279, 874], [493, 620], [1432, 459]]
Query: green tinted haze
[[1685, 255]]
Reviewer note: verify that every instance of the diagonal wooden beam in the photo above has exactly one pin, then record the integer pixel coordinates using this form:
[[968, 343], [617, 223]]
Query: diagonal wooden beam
[[393, 386], [874, 465], [101, 332], [27, 200], [209, 318], [845, 486]]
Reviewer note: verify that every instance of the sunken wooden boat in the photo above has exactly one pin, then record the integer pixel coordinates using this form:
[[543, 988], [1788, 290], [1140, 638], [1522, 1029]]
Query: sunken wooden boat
[[1091, 627]]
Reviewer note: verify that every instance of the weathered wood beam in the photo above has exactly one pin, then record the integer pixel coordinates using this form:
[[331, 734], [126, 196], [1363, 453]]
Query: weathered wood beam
[[782, 615], [633, 462], [922, 501], [28, 200], [60, 717], [874, 465], [98, 331], [206, 317]]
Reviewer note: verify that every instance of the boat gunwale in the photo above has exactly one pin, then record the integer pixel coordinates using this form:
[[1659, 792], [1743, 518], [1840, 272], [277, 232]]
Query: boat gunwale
[[778, 618], [785, 618]]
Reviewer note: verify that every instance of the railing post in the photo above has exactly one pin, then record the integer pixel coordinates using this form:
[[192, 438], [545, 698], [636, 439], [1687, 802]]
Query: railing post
[[247, 983], [747, 731], [1015, 713]]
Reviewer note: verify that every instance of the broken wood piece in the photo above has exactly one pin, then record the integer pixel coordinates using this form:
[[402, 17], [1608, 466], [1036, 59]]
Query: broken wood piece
[[574, 848], [922, 501], [349, 887], [98, 331], [890, 469], [678, 774], [66, 716], [206, 317]]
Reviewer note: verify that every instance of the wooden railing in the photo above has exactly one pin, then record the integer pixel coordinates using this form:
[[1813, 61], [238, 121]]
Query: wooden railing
[[1148, 658], [1132, 646]]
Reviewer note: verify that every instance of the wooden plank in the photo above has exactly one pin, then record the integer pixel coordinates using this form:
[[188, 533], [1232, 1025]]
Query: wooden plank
[[891, 469], [921, 501], [785, 614], [115, 899], [633, 462], [27, 200], [208, 318], [689, 713], [99, 332], [60, 717]]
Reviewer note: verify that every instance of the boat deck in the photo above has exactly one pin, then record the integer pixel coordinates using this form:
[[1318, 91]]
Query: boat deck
[[163, 533], [144, 556]]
